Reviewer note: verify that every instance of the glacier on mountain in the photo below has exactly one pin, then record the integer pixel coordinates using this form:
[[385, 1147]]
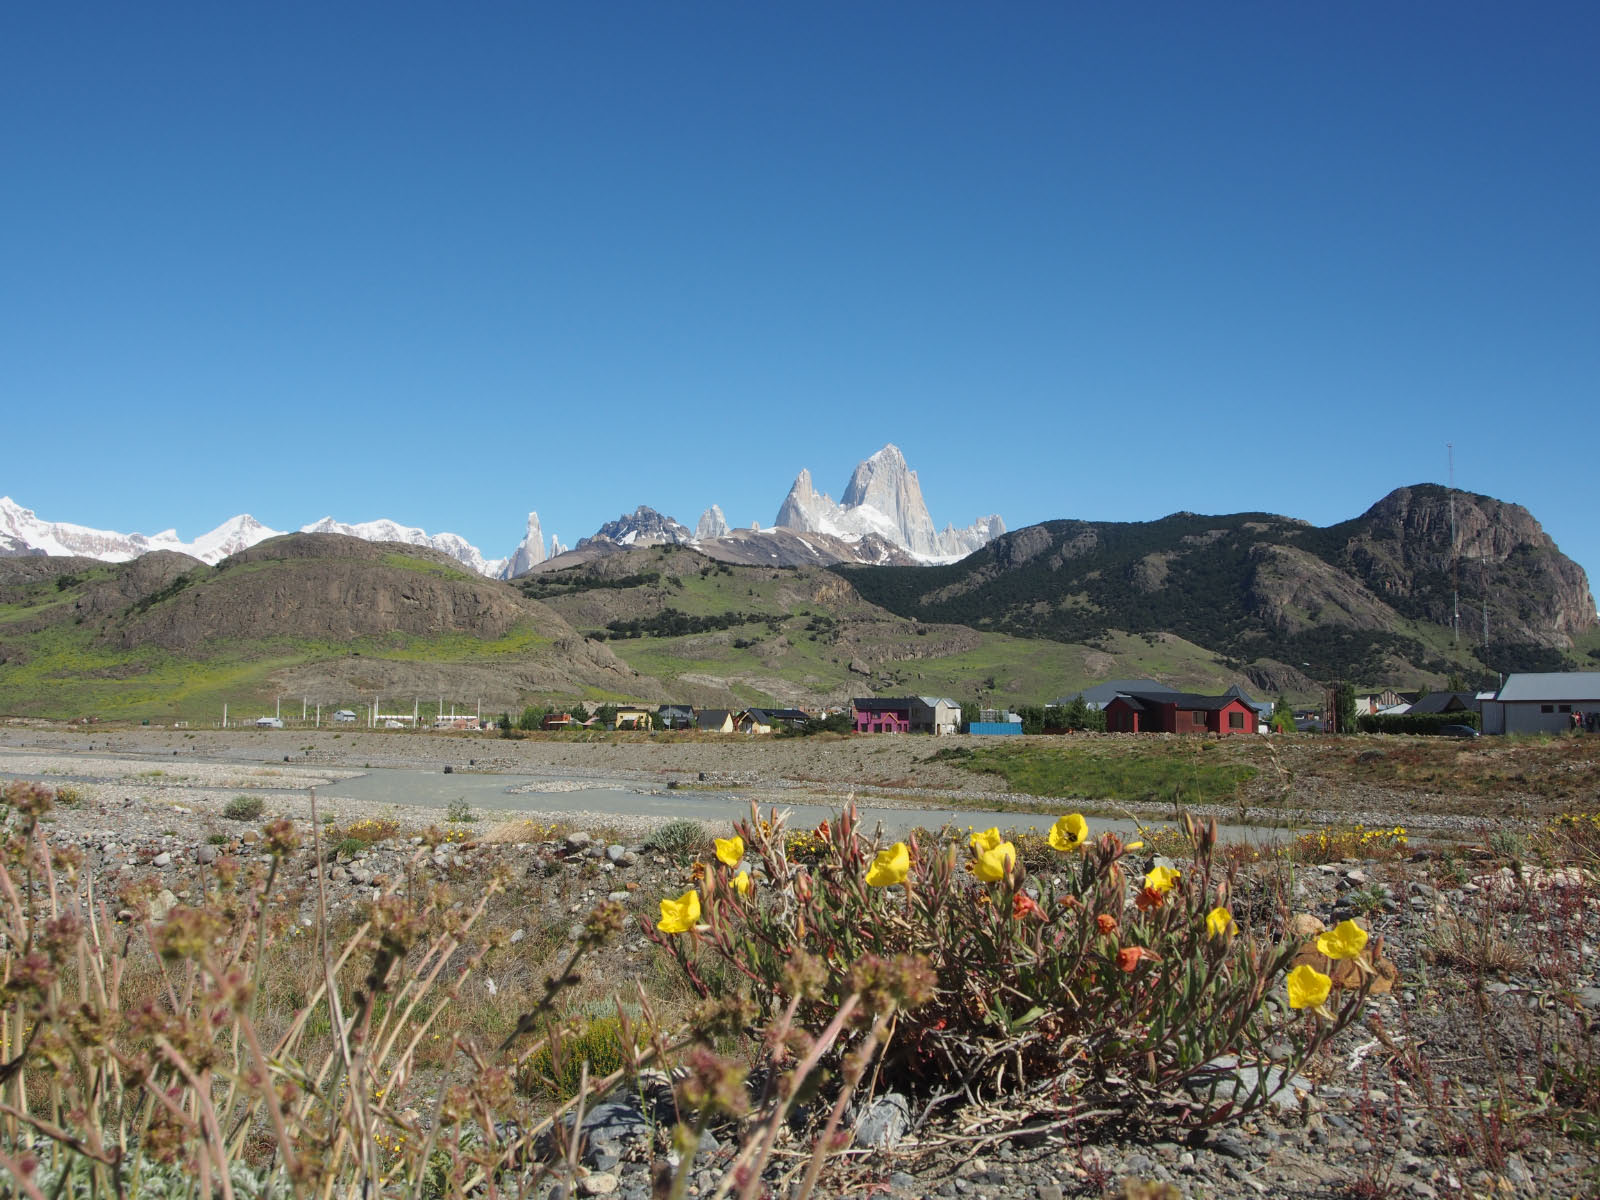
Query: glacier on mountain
[[23, 533]]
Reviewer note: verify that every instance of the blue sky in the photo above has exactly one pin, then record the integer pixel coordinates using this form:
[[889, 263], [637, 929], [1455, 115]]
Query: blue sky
[[447, 263]]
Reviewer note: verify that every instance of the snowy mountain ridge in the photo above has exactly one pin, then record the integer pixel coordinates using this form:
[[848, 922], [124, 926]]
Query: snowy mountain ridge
[[881, 517]]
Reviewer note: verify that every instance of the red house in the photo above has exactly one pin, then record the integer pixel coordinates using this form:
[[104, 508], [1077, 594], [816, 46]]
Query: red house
[[1179, 712], [883, 716]]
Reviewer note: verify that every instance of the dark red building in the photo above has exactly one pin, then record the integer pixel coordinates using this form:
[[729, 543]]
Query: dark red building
[[1178, 712]]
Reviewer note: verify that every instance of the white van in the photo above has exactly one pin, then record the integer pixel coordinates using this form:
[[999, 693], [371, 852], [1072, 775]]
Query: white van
[[268, 723]]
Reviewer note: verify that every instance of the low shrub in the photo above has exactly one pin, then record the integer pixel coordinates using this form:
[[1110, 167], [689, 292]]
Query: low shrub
[[369, 831], [1357, 841], [557, 1074], [460, 813], [680, 841], [244, 808]]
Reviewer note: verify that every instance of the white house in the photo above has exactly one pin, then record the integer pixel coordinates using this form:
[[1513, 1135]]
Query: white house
[[1542, 702], [935, 714]]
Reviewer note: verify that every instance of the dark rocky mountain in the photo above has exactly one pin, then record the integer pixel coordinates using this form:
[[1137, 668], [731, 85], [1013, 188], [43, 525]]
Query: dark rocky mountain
[[1369, 598]]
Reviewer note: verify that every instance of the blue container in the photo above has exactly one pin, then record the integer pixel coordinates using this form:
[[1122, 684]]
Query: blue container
[[994, 728]]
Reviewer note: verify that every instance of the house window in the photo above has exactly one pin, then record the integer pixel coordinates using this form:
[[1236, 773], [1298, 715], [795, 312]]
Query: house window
[[1236, 720], [1566, 708], [1547, 708], [1199, 718]]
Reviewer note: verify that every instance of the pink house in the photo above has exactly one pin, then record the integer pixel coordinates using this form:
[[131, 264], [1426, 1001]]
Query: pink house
[[883, 716]]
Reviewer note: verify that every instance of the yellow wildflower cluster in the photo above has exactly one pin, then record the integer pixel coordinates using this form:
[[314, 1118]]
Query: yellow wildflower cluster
[[1357, 841], [372, 830], [804, 845], [1571, 837]]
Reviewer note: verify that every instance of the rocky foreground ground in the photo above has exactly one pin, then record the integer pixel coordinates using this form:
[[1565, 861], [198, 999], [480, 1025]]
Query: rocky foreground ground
[[1477, 1075]]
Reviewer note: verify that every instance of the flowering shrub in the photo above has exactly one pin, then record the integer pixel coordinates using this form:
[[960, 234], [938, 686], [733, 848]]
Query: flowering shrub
[[1330, 845], [1570, 838], [1091, 986]]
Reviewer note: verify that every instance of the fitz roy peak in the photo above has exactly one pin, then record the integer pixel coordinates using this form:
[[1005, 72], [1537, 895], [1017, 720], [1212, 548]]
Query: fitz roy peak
[[884, 498]]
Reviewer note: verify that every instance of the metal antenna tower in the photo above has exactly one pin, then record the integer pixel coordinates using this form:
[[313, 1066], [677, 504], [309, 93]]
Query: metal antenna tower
[[1455, 559]]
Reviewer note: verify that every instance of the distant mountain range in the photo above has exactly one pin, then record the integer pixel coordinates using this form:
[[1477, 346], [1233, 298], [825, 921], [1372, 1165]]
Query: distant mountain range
[[882, 519]]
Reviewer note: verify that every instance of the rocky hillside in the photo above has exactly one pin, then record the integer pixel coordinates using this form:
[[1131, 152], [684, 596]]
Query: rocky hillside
[[319, 615], [1367, 599]]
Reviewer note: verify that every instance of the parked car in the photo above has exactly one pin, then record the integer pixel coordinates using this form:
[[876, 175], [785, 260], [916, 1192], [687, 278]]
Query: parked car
[[268, 723], [1460, 731]]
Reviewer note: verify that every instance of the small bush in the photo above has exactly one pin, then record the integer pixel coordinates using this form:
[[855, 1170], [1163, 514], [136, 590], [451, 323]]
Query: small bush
[[68, 797], [679, 841], [1331, 845], [244, 808], [372, 830], [460, 813], [597, 1042]]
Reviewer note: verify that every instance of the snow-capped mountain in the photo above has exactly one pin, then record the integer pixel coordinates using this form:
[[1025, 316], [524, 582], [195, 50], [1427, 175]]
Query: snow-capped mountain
[[882, 518], [644, 526], [453, 544], [883, 498], [530, 551], [712, 524], [23, 533]]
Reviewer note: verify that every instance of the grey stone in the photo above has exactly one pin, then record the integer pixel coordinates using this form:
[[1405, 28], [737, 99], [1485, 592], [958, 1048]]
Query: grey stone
[[598, 1183], [163, 904], [205, 854], [1236, 1081], [577, 840], [883, 1124], [1589, 997], [615, 853], [619, 897], [164, 859], [517, 935], [615, 1121]]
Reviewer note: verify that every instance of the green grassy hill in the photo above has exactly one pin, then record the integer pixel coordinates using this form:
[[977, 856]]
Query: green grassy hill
[[714, 633], [332, 619]]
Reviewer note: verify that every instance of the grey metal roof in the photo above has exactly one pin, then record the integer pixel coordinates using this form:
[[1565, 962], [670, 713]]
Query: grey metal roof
[[1438, 702], [1552, 685], [711, 718], [932, 701]]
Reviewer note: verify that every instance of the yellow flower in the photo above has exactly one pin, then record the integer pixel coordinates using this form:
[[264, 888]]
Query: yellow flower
[[987, 840], [994, 864], [1134, 846], [890, 867], [730, 850], [1219, 922], [1344, 940], [680, 915], [1308, 987], [741, 883], [1161, 879], [1069, 832]]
